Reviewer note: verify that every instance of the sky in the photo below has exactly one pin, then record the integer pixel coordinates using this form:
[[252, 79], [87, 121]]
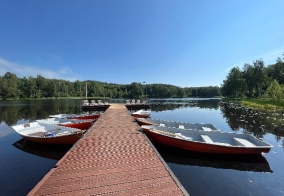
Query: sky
[[186, 43]]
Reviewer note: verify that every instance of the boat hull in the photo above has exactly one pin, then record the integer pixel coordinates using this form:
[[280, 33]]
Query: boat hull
[[202, 147], [86, 117], [143, 122], [141, 115], [66, 139], [82, 125]]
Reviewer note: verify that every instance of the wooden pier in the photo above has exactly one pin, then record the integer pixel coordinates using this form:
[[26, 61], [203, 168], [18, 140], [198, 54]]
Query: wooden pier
[[113, 158]]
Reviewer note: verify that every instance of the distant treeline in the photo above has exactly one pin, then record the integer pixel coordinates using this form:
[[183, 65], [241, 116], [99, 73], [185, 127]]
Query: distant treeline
[[255, 81], [12, 87]]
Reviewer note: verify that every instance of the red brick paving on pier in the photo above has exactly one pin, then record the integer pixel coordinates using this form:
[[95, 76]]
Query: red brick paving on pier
[[113, 158]]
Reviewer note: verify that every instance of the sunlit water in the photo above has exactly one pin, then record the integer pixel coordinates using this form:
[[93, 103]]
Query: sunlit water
[[24, 164]]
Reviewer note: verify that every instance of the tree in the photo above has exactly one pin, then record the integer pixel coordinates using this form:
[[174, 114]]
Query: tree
[[255, 78], [27, 87], [259, 77], [276, 71], [41, 83], [136, 90], [274, 91], [78, 88], [51, 88], [248, 77], [234, 85], [1, 84], [9, 86]]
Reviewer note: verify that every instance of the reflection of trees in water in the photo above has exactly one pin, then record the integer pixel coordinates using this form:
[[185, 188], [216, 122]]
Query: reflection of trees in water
[[253, 121], [163, 105], [31, 110]]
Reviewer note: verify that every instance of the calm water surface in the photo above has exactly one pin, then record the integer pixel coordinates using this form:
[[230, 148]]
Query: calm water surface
[[23, 164]]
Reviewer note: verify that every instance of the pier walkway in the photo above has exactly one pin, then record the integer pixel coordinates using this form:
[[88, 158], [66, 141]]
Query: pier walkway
[[113, 158]]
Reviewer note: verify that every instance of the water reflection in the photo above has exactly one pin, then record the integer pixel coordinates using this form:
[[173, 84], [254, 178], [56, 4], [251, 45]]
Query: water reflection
[[254, 163], [12, 111], [55, 152], [254, 122], [173, 104]]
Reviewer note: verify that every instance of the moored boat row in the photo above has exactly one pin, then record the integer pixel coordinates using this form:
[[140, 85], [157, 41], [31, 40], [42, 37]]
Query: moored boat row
[[59, 129], [200, 137]]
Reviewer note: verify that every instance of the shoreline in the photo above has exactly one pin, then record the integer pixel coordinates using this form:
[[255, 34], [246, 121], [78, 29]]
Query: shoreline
[[263, 104]]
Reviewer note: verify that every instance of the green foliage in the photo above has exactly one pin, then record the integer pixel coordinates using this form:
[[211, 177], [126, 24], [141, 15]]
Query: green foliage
[[9, 86], [274, 91], [276, 71], [255, 78], [234, 85], [12, 87], [255, 81], [28, 85]]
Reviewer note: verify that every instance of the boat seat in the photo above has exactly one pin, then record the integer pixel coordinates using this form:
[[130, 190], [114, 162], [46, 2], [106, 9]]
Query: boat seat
[[206, 139], [184, 137], [243, 142], [181, 127], [162, 125], [207, 129]]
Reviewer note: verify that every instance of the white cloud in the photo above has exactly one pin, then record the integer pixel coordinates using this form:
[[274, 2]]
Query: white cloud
[[269, 58], [64, 73]]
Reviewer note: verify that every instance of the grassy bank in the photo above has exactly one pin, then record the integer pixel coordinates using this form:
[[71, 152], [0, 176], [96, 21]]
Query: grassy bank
[[266, 104]]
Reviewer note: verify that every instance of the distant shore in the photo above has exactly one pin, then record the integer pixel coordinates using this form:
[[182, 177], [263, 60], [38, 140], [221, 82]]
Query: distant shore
[[50, 98]]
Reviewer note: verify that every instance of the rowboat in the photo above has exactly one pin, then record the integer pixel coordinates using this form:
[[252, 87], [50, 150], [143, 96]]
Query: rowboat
[[141, 114], [206, 142], [47, 133], [176, 124], [77, 116], [73, 123]]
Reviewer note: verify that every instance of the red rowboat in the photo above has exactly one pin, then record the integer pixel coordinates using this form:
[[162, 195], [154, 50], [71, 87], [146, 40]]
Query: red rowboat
[[207, 142], [48, 134]]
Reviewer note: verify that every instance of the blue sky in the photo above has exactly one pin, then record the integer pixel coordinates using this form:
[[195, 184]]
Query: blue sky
[[187, 43]]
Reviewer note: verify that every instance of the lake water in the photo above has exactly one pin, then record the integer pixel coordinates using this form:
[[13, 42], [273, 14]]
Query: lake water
[[23, 164]]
